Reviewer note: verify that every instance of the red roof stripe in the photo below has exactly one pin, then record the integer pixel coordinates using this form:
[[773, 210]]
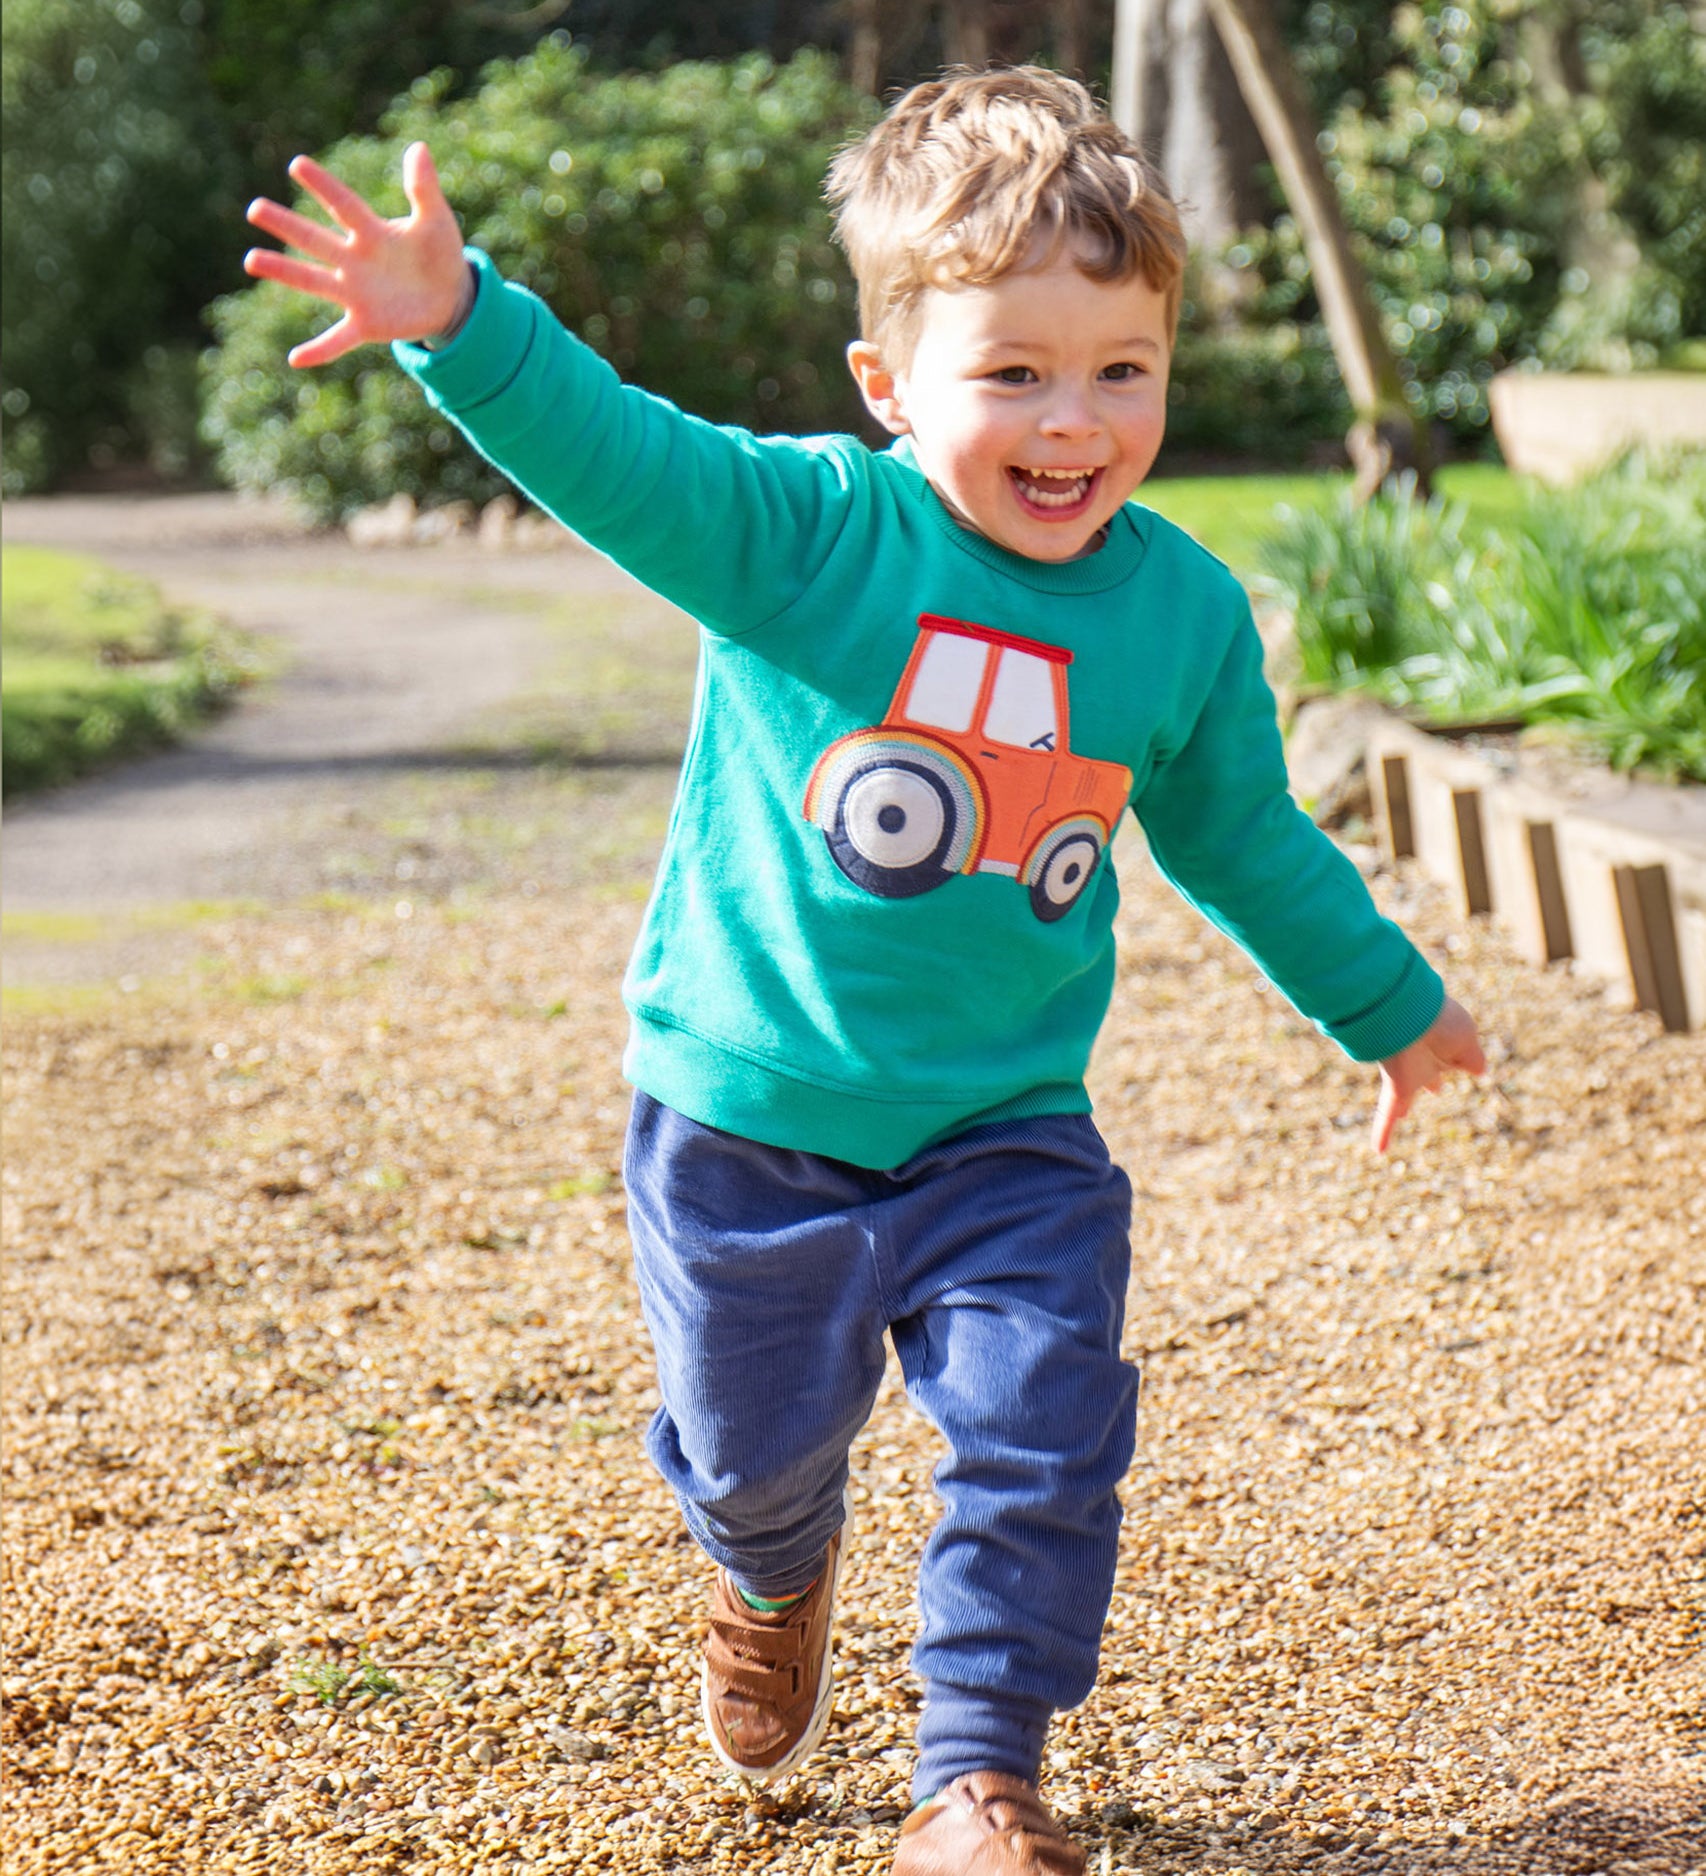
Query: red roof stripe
[[934, 622]]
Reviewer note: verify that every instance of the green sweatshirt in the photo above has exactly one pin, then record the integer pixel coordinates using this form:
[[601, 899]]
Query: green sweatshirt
[[883, 912]]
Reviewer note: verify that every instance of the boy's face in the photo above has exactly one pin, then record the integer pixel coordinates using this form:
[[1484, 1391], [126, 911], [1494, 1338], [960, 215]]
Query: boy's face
[[1035, 405]]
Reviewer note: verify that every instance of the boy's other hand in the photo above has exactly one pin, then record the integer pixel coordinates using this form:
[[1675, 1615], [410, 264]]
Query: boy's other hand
[[402, 279], [1450, 1046]]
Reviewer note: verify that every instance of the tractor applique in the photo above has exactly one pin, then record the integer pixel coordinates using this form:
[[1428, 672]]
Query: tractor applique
[[969, 772]]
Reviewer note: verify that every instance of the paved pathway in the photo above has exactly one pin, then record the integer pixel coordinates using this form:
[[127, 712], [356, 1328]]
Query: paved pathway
[[388, 659]]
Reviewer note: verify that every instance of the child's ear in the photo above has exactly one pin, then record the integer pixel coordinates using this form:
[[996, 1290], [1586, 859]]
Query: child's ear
[[878, 386]]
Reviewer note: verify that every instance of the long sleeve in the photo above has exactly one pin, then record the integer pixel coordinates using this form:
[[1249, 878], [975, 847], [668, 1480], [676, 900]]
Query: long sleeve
[[1226, 832], [731, 527]]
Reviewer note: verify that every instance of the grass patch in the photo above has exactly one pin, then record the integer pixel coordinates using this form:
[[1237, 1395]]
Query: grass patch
[[97, 666], [1582, 608], [271, 987], [55, 928], [19, 1002], [586, 1185], [1233, 516]]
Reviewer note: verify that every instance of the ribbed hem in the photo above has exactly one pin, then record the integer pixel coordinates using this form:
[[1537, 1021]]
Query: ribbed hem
[[736, 1093], [974, 1730]]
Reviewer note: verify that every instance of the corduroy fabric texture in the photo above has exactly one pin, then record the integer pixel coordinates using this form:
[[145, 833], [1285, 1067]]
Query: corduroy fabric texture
[[997, 1262]]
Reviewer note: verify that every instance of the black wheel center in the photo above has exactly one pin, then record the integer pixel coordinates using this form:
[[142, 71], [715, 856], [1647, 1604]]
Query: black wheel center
[[891, 819]]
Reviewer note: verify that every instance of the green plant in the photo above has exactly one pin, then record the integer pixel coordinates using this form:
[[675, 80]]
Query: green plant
[[1254, 395], [1501, 216], [329, 1681], [97, 666], [672, 220], [1585, 610]]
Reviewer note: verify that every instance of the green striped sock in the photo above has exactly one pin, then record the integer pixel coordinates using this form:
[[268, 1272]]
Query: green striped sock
[[766, 1607]]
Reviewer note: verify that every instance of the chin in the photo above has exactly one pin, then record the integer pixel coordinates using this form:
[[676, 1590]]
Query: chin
[[1062, 546]]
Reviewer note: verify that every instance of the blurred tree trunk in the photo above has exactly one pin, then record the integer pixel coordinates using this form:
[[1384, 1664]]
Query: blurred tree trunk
[[1072, 36], [1387, 436], [883, 33], [1597, 242], [1175, 94], [880, 32], [965, 32], [1016, 32]]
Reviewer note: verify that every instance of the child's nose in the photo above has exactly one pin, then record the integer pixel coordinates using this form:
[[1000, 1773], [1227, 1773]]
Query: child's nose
[[1072, 414]]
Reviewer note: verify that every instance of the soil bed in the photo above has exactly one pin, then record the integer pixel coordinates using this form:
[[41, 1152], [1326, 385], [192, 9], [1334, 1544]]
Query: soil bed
[[331, 1544]]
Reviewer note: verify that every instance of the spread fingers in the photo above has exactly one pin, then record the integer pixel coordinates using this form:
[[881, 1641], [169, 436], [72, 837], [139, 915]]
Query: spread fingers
[[325, 244], [269, 264], [332, 343], [338, 199]]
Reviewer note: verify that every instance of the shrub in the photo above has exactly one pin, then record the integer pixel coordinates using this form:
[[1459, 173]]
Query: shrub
[[1645, 134], [1466, 186], [1259, 396], [674, 221], [107, 230], [1587, 611]]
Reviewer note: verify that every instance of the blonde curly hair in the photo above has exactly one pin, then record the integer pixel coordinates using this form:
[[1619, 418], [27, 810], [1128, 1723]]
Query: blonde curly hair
[[977, 173]]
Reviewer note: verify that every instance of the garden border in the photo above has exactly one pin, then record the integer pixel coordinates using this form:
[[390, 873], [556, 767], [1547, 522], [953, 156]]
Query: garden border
[[1614, 880]]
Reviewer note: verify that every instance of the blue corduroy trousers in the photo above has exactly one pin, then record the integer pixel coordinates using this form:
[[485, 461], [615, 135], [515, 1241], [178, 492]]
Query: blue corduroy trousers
[[997, 1263]]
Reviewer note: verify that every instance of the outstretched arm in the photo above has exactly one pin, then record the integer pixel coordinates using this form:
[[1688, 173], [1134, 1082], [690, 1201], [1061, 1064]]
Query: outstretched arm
[[402, 279], [1449, 1046], [731, 528]]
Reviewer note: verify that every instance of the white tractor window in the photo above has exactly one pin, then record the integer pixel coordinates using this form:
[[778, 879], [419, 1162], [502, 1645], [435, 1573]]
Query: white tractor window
[[1021, 711], [946, 683]]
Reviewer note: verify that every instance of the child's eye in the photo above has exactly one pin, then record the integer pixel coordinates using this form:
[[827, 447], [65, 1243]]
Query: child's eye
[[1123, 373], [1014, 374]]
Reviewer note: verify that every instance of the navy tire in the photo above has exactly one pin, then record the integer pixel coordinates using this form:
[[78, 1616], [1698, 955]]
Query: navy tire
[[891, 828], [1062, 872]]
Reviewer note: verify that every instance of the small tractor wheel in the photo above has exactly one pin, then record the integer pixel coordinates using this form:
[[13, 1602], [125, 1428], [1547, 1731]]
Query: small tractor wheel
[[1062, 871]]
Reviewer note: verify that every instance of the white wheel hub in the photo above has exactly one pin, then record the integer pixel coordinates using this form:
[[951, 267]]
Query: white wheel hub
[[893, 818]]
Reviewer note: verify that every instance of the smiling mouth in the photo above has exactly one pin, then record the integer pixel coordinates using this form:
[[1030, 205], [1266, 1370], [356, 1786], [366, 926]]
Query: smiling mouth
[[1058, 494]]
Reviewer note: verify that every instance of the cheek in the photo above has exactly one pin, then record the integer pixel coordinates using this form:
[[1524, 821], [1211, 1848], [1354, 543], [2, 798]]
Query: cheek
[[1144, 432]]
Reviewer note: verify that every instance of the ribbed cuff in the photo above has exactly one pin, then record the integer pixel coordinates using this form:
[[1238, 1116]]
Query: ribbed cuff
[[1401, 1017]]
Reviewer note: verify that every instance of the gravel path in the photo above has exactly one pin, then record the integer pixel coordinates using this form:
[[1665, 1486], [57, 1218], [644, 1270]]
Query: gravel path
[[330, 1541]]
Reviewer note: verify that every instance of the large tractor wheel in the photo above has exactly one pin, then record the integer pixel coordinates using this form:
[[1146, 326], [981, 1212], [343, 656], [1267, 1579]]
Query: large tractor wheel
[[1061, 868], [891, 827]]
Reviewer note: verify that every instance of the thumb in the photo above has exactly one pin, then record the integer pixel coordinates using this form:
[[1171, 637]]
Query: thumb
[[420, 183]]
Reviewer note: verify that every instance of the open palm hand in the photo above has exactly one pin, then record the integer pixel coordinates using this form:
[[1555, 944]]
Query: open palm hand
[[394, 279]]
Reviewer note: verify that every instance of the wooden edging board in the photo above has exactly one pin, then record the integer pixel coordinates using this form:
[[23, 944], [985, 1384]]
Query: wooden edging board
[[1569, 879]]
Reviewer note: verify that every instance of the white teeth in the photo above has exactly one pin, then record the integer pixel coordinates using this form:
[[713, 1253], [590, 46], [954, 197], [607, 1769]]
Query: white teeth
[[1080, 480]]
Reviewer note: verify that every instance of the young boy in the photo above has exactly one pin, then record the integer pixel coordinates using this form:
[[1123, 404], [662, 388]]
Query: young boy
[[880, 942]]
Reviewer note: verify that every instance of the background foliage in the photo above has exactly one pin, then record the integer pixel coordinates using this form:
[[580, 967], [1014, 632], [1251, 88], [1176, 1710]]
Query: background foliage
[[111, 173], [1525, 183], [1526, 180], [671, 219]]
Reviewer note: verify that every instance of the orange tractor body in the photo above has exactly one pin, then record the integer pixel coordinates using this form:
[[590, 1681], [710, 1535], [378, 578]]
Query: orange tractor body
[[970, 771]]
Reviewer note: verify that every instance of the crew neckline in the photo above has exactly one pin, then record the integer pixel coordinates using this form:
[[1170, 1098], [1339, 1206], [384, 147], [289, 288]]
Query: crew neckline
[[1110, 565]]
